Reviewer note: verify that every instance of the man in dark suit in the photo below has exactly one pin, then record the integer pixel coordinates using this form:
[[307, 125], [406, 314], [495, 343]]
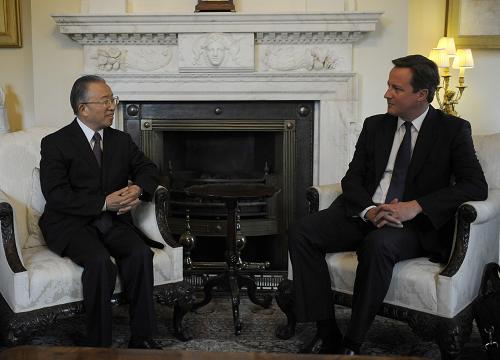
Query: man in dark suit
[[411, 169], [91, 177]]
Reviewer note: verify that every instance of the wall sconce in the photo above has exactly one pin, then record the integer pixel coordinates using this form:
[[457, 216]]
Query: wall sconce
[[446, 56]]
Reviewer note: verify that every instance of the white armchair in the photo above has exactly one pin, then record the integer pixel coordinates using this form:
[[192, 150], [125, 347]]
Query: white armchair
[[435, 299], [36, 285]]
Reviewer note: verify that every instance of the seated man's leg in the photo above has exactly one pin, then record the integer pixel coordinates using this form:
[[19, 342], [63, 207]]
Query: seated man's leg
[[98, 280], [309, 239], [377, 255], [135, 265]]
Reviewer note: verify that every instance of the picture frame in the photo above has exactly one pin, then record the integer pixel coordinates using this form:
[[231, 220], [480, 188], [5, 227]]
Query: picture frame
[[473, 24], [214, 5], [10, 24]]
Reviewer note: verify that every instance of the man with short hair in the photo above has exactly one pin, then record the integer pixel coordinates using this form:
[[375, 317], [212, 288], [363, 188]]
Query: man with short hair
[[411, 169], [91, 177]]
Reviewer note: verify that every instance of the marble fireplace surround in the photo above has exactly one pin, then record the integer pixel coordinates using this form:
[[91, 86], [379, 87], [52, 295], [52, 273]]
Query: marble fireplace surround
[[235, 56]]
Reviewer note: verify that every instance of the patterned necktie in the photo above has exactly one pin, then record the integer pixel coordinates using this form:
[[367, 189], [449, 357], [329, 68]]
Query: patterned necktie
[[97, 148], [397, 186]]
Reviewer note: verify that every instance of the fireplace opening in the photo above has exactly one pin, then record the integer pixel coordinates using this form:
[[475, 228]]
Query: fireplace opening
[[193, 143], [196, 158]]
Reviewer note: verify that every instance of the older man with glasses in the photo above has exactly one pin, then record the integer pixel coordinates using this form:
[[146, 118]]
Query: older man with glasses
[[91, 177]]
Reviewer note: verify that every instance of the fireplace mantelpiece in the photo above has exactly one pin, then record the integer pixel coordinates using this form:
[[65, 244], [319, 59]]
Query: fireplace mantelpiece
[[294, 56]]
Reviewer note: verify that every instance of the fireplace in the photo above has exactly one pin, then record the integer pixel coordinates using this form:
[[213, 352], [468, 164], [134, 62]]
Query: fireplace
[[267, 142], [304, 59]]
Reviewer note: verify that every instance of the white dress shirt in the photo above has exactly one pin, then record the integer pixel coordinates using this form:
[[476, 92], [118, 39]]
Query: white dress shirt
[[382, 188], [89, 133]]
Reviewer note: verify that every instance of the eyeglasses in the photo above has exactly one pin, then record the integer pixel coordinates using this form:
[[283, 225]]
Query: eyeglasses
[[106, 102]]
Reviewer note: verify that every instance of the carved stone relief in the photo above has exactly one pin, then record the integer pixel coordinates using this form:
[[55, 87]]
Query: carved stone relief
[[216, 52], [299, 58], [130, 59]]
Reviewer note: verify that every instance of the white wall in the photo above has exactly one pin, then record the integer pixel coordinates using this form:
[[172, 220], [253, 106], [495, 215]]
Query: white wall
[[41, 73]]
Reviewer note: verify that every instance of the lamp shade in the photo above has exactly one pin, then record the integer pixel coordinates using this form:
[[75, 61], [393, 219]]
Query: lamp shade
[[463, 59], [440, 57], [448, 44]]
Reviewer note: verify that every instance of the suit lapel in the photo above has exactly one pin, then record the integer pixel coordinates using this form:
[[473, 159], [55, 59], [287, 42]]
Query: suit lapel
[[383, 141], [426, 137], [82, 145]]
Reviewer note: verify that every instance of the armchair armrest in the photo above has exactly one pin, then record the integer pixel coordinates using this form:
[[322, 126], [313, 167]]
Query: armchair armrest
[[477, 214], [151, 219], [7, 235], [320, 197]]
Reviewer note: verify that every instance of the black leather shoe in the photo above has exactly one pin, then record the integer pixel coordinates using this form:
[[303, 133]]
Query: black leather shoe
[[317, 346], [346, 351], [141, 343]]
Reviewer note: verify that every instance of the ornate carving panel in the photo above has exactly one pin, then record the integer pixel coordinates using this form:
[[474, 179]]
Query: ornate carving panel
[[130, 59], [300, 58], [216, 52]]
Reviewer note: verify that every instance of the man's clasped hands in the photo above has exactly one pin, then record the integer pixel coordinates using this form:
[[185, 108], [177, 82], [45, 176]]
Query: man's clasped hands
[[394, 213], [124, 200]]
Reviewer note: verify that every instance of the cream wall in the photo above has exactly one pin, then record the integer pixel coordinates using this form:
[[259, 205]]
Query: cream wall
[[57, 62], [41, 73], [16, 76], [478, 105]]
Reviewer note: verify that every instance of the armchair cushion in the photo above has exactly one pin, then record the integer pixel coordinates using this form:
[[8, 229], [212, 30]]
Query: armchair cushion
[[35, 209], [413, 284], [55, 280]]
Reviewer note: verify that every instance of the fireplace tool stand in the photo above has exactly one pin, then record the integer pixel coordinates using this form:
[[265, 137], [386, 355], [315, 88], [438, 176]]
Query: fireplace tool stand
[[231, 278]]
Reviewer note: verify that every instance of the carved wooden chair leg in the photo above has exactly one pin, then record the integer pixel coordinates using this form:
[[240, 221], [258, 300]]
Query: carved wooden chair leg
[[285, 301], [452, 334], [181, 297], [179, 332]]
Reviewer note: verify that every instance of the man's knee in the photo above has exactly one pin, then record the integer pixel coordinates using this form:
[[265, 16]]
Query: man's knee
[[140, 250]]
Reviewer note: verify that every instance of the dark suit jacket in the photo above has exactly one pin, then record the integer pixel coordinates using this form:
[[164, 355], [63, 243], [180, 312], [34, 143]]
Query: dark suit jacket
[[444, 172], [74, 186]]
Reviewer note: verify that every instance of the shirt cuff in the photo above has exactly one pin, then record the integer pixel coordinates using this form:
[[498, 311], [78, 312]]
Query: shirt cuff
[[104, 207], [363, 213]]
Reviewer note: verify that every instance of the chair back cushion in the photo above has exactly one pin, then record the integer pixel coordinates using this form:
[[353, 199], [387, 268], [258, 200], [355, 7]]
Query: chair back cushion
[[488, 151]]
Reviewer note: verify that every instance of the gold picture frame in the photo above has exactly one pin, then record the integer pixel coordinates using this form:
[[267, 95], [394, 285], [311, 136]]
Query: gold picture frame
[[10, 24], [460, 14]]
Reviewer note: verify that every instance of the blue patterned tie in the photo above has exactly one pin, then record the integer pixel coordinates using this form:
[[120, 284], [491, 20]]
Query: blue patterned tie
[[397, 186]]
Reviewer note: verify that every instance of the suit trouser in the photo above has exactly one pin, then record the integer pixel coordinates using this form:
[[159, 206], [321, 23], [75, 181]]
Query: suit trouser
[[134, 262], [378, 250]]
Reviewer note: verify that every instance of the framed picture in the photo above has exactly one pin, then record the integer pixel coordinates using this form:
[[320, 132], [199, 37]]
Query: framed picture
[[10, 24], [214, 5], [473, 23]]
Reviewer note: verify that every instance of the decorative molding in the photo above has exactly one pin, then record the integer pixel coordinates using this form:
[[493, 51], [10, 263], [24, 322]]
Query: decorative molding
[[124, 38], [283, 28], [329, 37]]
